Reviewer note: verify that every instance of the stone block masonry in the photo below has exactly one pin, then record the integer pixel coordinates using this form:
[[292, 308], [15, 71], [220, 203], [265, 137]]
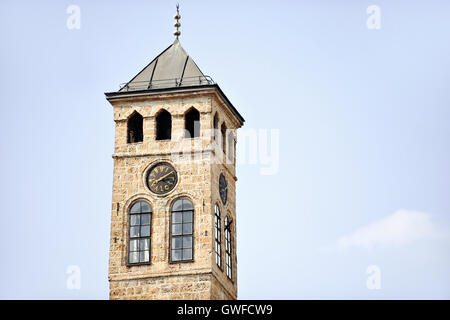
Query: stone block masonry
[[198, 176]]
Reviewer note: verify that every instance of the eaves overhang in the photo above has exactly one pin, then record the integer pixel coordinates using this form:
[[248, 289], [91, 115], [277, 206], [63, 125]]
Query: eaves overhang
[[110, 96]]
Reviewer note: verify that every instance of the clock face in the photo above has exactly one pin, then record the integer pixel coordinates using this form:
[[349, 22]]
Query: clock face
[[223, 188], [161, 178]]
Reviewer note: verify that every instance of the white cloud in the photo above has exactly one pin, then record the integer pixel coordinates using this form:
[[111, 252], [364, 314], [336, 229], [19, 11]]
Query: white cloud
[[400, 228]]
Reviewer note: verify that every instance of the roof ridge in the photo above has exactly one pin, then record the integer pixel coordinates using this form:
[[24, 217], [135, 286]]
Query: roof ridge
[[173, 67], [155, 59]]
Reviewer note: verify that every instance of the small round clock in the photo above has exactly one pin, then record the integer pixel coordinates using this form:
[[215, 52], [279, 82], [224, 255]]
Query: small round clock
[[223, 188], [161, 178]]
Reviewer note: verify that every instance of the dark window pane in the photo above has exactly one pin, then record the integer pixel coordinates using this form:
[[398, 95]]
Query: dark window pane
[[178, 205], [187, 254], [144, 244], [145, 219], [176, 229], [176, 217], [187, 228], [145, 231], [187, 242], [187, 216], [134, 232], [134, 257], [177, 243], [136, 208], [187, 205], [135, 219], [176, 255], [145, 207], [134, 245], [163, 125]]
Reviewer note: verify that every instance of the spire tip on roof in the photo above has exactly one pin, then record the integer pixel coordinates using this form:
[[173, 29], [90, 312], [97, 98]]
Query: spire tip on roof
[[177, 24]]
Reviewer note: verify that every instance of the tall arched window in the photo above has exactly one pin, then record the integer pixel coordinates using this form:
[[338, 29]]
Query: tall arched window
[[163, 125], [223, 130], [218, 236], [192, 123], [134, 128], [140, 218], [216, 126], [228, 248], [182, 230]]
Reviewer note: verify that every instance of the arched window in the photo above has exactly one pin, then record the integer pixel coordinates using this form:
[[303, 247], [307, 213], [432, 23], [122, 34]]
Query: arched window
[[216, 126], [163, 125], [181, 235], [134, 128], [140, 217], [223, 130], [192, 123], [230, 145], [218, 236], [228, 248]]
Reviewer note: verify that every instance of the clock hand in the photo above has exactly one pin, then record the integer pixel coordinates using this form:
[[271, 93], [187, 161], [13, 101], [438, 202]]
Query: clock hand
[[163, 177]]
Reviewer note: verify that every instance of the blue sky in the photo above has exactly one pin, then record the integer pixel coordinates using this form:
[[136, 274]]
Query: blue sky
[[364, 140]]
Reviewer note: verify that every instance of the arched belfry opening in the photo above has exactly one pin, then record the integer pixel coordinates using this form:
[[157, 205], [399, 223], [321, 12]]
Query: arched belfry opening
[[216, 125], [223, 130], [163, 125], [134, 128], [230, 145], [192, 123]]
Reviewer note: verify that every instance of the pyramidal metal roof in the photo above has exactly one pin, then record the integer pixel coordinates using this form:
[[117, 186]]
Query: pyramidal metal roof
[[171, 68]]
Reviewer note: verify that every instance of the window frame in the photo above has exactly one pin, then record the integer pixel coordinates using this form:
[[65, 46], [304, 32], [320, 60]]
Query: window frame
[[228, 245], [218, 239], [171, 236], [149, 237]]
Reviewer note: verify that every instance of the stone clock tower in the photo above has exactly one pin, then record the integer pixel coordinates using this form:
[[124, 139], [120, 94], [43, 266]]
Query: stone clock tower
[[173, 219]]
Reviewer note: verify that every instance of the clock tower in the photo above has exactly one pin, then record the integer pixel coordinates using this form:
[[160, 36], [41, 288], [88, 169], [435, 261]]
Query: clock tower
[[173, 218]]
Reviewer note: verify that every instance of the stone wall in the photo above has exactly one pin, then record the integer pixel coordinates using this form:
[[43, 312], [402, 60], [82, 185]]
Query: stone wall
[[197, 180], [188, 287]]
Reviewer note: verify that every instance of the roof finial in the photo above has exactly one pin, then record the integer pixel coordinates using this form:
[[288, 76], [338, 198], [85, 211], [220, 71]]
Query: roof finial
[[177, 24]]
